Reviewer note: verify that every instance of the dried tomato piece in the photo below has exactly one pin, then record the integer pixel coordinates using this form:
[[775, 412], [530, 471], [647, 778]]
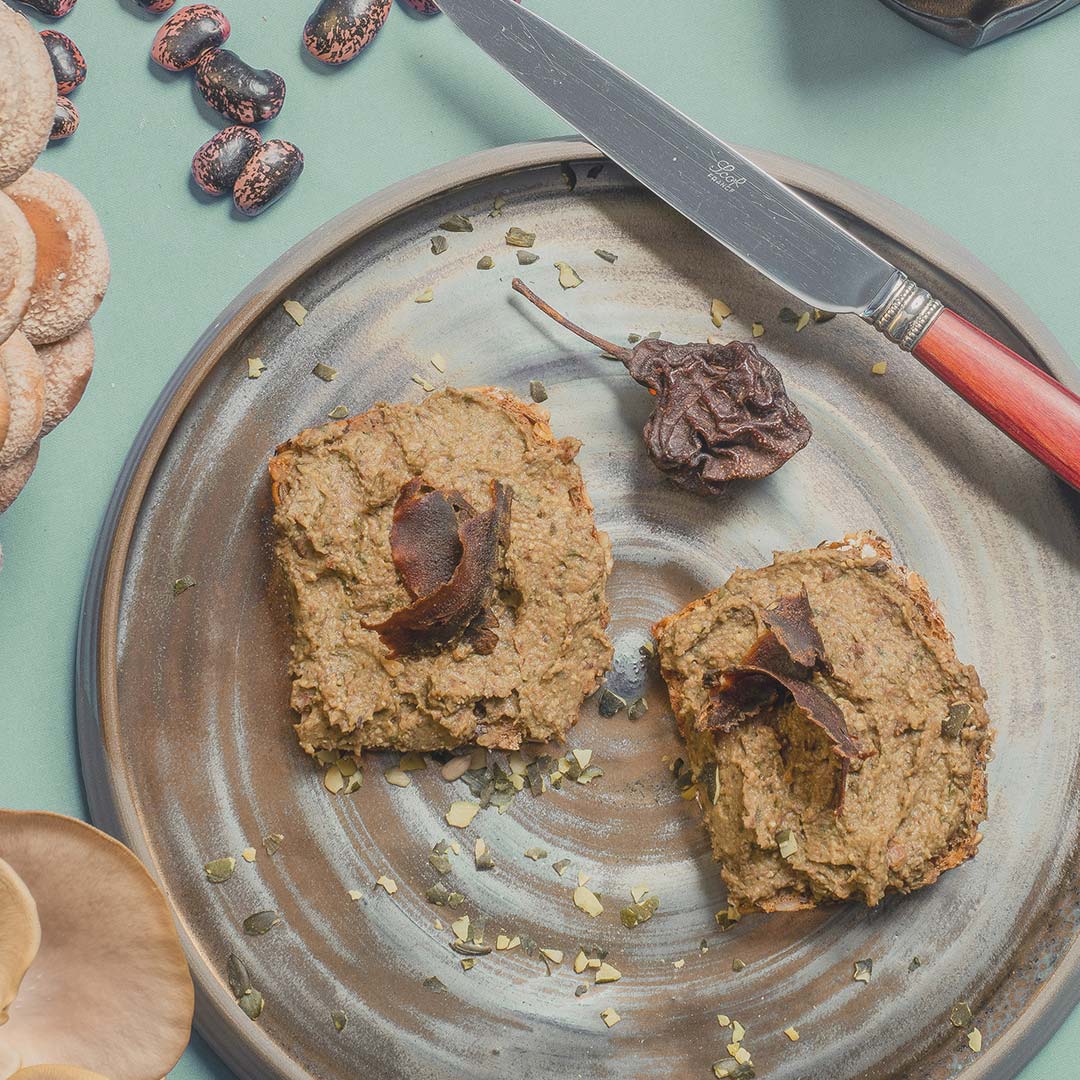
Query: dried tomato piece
[[721, 414], [435, 619], [424, 540], [773, 669]]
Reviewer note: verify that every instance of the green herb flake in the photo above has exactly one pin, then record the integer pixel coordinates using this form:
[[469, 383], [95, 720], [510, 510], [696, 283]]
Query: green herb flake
[[786, 842], [959, 714], [537, 391], [296, 311], [863, 970], [439, 244], [237, 975], [527, 258], [438, 894], [455, 901], [183, 584], [338, 412], [637, 709], [568, 276], [339, 1018], [519, 238], [960, 1015], [324, 372], [738, 965], [915, 964], [456, 223], [439, 861], [638, 913], [262, 922], [252, 1003], [610, 703], [486, 262], [220, 870], [607, 256]]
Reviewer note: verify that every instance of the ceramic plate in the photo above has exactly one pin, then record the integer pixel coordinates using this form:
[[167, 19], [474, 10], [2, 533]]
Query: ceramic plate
[[189, 755]]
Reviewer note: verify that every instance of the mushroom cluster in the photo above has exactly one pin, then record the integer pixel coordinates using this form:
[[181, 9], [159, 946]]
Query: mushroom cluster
[[54, 265], [93, 981]]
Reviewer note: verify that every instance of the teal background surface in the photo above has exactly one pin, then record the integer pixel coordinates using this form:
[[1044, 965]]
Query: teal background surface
[[985, 145]]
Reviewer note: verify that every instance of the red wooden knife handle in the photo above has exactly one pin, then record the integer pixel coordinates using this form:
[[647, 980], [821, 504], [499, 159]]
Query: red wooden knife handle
[[1027, 404]]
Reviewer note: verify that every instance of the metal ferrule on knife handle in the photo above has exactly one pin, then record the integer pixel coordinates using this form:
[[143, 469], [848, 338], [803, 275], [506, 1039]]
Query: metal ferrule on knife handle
[[905, 313]]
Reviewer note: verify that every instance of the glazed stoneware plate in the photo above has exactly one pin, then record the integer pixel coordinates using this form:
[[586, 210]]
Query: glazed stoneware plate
[[189, 754]]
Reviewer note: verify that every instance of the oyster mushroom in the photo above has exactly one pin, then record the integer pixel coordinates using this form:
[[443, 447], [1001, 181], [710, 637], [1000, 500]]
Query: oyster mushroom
[[109, 990], [72, 259], [27, 95], [18, 253], [68, 365]]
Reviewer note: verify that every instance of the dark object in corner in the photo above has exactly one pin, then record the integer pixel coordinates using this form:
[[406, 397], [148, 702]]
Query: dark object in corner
[[977, 22]]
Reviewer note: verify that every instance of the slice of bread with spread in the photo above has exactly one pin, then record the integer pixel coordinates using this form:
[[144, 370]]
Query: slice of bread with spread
[[446, 577], [838, 744]]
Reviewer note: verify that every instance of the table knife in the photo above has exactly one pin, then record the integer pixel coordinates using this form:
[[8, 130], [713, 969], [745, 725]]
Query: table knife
[[773, 228]]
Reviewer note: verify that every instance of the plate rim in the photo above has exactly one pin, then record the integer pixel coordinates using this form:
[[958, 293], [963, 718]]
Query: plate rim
[[242, 1046]]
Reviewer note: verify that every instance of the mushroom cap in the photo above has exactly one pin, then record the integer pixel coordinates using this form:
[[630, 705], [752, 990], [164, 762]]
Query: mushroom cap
[[72, 259], [110, 989], [56, 1072], [68, 364], [13, 479], [25, 376], [20, 934], [18, 254], [27, 95]]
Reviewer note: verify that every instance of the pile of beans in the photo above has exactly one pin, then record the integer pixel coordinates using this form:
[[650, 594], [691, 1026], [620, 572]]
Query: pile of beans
[[236, 160]]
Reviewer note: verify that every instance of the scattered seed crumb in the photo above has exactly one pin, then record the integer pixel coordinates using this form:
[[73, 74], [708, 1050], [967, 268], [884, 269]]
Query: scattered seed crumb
[[587, 901], [527, 258], [438, 362], [519, 238], [568, 276], [426, 296], [355, 894], [439, 244], [255, 367], [249, 854], [718, 312], [456, 223], [460, 814], [296, 311], [339, 1019], [423, 383], [439, 924], [554, 955], [738, 965], [561, 866], [468, 963], [396, 777], [333, 781], [607, 973], [536, 853], [537, 391], [863, 970], [486, 262], [792, 1034], [581, 989], [581, 962], [738, 1032], [607, 256], [678, 964], [338, 412], [722, 1020], [880, 367], [433, 982], [583, 878], [460, 928], [637, 709], [802, 322], [497, 206], [975, 1040], [638, 893], [272, 842], [388, 883], [220, 870], [324, 372], [757, 329], [610, 1017]]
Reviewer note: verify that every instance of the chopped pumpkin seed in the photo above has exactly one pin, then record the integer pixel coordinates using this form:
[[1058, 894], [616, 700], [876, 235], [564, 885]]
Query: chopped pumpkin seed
[[249, 854], [587, 901], [880, 367], [220, 870], [607, 256], [183, 584], [519, 238], [324, 372], [757, 329], [718, 312], [610, 1017], [863, 970], [792, 1034], [255, 367], [296, 311], [607, 973], [568, 276], [456, 223], [426, 296], [460, 814], [396, 777], [485, 262], [975, 1040], [388, 883]]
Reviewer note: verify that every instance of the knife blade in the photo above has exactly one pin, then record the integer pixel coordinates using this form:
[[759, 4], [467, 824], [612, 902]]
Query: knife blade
[[772, 227], [764, 222]]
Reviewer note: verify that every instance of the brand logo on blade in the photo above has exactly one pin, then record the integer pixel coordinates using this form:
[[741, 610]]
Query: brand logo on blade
[[723, 175]]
